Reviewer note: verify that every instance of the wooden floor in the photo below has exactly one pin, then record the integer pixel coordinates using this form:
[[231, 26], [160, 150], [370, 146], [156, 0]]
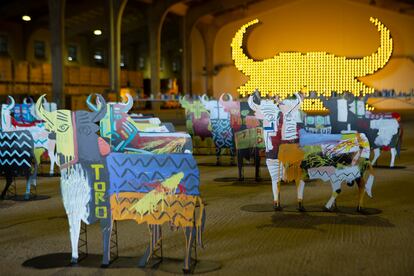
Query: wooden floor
[[243, 236]]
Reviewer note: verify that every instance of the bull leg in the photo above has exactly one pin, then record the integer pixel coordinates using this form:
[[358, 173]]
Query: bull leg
[[240, 165], [51, 152], [393, 154], [155, 244], [300, 187], [276, 174], [106, 228], [377, 152], [257, 164], [361, 192], [190, 234], [31, 180], [332, 201], [9, 181], [74, 229], [232, 153], [218, 151]]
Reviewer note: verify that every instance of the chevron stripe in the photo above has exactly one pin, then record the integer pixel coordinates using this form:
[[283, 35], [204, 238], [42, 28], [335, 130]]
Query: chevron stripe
[[14, 161], [15, 134], [14, 153], [15, 143], [134, 160]]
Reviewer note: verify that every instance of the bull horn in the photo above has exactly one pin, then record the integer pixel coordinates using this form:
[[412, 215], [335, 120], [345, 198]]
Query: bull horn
[[369, 64], [41, 111], [254, 106], [203, 99], [100, 109], [230, 96], [241, 60], [12, 103], [184, 102], [90, 104], [25, 100], [129, 103]]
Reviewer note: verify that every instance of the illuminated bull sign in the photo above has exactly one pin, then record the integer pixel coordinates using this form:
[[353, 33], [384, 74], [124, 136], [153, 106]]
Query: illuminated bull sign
[[290, 72]]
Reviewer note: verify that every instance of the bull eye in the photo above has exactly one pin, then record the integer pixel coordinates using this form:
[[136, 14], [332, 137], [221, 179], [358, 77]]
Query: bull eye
[[63, 128], [86, 130]]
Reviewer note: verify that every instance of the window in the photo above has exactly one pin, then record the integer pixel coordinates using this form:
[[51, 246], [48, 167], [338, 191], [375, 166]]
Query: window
[[141, 63], [72, 53], [98, 57], [123, 61], [39, 49], [4, 47]]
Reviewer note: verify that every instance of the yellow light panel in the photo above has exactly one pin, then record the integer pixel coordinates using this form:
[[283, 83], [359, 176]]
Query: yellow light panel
[[291, 72], [313, 105]]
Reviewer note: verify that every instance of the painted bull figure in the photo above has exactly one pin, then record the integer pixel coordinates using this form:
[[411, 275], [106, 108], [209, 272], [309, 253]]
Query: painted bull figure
[[98, 185], [291, 153], [247, 131], [42, 138], [384, 130], [124, 133], [220, 126], [288, 72], [17, 159]]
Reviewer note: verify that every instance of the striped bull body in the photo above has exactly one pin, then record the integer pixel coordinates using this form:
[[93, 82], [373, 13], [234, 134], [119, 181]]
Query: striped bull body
[[42, 140], [100, 185], [17, 159]]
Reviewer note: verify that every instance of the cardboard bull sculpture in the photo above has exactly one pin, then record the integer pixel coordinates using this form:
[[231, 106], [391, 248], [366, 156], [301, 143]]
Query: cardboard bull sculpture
[[43, 141], [99, 185], [247, 131], [291, 153], [220, 126], [384, 130], [17, 159], [198, 125]]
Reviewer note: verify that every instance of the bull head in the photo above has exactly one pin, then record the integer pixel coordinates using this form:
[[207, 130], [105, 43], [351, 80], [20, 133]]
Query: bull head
[[290, 72]]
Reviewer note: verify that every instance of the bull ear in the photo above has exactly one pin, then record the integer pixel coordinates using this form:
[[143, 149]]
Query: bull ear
[[100, 109]]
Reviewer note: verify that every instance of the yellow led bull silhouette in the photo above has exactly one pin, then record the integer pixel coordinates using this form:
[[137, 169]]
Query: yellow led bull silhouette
[[290, 72]]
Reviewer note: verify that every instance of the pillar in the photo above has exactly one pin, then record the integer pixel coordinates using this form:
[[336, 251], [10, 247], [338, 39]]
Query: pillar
[[115, 11], [57, 45]]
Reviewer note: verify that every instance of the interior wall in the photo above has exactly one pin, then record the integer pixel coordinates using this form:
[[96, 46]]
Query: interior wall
[[338, 27]]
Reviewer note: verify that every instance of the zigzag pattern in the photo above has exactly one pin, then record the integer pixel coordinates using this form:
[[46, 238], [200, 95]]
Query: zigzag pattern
[[159, 160], [6, 144], [14, 162], [16, 152], [136, 172], [178, 210], [15, 135]]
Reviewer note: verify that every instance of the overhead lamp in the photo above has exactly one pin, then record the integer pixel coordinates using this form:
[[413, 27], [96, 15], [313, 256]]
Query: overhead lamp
[[26, 18], [97, 32]]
